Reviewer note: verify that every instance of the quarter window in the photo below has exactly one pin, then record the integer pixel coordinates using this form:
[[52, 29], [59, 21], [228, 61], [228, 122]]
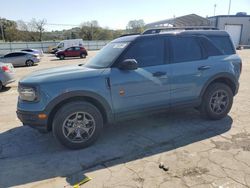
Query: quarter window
[[223, 43], [185, 49], [147, 52]]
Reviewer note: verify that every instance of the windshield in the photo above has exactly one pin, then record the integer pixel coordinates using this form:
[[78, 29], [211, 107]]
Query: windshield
[[60, 45], [107, 55]]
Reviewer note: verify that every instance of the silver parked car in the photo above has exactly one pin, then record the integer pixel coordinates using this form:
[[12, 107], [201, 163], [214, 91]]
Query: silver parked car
[[20, 58], [34, 51], [6, 74]]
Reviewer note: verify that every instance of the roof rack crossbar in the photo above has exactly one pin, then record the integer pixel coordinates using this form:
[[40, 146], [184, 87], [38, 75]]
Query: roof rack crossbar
[[161, 29], [124, 35]]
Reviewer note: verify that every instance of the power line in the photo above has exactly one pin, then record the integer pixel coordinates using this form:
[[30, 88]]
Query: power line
[[56, 24]]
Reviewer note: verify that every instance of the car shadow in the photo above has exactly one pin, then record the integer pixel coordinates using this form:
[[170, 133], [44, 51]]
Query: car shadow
[[22, 66], [4, 89], [27, 156], [67, 58]]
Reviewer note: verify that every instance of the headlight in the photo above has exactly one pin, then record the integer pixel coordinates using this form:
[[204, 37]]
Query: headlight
[[27, 94]]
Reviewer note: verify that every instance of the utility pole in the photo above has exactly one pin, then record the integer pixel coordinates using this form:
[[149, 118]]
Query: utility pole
[[91, 27], [229, 7], [214, 8], [1, 26]]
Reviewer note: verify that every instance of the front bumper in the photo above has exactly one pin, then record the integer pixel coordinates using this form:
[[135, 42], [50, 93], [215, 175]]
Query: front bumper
[[31, 119]]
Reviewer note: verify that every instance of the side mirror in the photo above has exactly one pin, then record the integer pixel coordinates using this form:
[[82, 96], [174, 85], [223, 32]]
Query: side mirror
[[128, 64]]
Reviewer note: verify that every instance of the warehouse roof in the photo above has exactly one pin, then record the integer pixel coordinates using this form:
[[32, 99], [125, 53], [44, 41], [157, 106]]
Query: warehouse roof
[[187, 20]]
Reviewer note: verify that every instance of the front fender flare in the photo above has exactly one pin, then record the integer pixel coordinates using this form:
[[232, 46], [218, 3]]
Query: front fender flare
[[72, 94]]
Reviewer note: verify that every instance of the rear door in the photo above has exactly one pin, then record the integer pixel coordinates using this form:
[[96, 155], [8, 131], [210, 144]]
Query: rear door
[[10, 58], [20, 58], [148, 86], [189, 69]]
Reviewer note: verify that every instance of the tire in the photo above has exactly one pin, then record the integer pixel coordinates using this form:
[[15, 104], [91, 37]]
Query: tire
[[217, 101], [1, 86], [29, 63], [82, 55], [73, 134], [61, 57]]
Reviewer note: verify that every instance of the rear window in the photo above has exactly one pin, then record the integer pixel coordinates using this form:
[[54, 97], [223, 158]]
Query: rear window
[[223, 43]]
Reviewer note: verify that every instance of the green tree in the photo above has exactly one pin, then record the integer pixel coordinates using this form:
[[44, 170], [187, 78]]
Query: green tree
[[135, 26], [90, 30], [8, 29], [38, 26]]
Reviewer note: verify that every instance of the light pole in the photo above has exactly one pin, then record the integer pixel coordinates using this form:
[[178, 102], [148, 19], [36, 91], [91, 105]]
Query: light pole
[[229, 7], [214, 8]]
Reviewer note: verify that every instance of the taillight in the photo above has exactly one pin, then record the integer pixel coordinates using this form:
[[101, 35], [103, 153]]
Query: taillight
[[5, 69]]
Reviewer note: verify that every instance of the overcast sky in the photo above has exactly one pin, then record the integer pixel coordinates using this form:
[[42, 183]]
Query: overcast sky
[[114, 14]]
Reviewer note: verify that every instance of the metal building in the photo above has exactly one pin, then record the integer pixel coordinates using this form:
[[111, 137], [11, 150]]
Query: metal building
[[238, 26], [182, 21]]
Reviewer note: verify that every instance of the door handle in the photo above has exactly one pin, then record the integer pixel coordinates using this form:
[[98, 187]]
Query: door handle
[[205, 67], [159, 74]]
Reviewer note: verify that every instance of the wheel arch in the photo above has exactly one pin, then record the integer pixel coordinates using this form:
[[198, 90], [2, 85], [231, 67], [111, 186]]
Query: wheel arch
[[99, 102], [225, 78]]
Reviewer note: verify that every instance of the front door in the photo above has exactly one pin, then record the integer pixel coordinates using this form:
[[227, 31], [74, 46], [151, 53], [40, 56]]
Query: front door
[[148, 86]]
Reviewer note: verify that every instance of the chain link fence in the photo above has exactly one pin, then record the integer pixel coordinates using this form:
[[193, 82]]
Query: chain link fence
[[6, 47]]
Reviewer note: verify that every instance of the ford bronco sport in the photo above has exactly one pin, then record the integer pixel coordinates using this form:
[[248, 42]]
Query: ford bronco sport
[[132, 75]]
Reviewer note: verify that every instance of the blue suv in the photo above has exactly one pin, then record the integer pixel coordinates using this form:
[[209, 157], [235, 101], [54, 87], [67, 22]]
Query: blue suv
[[132, 75]]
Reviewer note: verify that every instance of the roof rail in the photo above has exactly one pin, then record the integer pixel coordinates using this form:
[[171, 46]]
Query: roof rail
[[129, 34], [161, 29]]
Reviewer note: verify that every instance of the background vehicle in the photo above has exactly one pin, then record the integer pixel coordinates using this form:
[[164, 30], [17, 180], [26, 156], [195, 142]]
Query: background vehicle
[[75, 51], [6, 74], [131, 76], [34, 51], [20, 59], [68, 43]]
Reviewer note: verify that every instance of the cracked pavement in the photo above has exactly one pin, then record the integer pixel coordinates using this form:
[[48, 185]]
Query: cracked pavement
[[198, 153]]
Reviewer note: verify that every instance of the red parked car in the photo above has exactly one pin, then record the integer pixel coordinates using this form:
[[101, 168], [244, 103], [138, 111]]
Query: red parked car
[[74, 51]]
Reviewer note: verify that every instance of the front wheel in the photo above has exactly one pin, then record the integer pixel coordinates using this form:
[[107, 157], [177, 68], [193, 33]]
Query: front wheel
[[77, 124], [61, 57], [29, 63], [217, 101]]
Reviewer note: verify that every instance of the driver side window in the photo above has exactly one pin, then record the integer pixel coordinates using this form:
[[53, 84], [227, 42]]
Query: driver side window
[[147, 52]]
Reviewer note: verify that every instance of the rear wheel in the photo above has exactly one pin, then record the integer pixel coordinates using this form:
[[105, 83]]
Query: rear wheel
[[82, 56], [77, 124], [217, 101], [29, 63]]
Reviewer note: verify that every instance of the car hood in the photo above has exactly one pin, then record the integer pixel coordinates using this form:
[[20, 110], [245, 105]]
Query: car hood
[[60, 74]]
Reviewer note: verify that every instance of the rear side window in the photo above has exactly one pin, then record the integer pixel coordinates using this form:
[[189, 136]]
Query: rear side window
[[209, 48], [185, 49], [223, 43], [14, 54], [9, 55], [147, 52]]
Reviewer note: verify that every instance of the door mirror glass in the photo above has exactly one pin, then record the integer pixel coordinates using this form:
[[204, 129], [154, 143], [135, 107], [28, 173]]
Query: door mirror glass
[[128, 64]]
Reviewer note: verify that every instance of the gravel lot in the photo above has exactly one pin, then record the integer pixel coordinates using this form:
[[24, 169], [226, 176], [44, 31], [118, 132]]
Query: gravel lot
[[198, 153]]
